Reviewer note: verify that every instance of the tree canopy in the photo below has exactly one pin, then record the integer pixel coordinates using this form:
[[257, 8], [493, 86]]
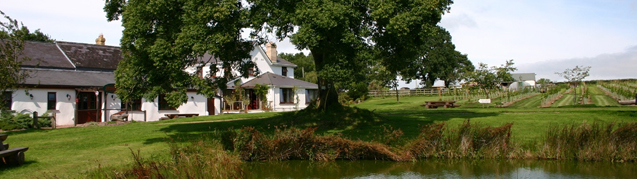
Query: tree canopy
[[11, 59], [439, 61], [161, 38], [25, 34], [575, 75], [488, 79], [305, 66]]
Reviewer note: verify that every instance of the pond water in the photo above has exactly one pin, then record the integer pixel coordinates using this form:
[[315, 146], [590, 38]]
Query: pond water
[[441, 169]]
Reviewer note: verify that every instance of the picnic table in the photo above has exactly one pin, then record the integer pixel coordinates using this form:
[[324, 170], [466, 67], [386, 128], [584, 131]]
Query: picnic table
[[14, 155], [436, 104], [173, 116]]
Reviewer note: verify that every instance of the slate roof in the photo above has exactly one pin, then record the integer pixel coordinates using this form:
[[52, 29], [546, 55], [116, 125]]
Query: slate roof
[[92, 56], [279, 81], [208, 58], [69, 78], [284, 62], [45, 55]]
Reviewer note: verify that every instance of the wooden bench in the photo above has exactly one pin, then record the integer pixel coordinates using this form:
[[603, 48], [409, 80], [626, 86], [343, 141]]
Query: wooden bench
[[436, 104], [11, 156], [173, 116], [14, 155]]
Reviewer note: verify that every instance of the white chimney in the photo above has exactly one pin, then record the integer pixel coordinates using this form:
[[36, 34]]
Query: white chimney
[[270, 51]]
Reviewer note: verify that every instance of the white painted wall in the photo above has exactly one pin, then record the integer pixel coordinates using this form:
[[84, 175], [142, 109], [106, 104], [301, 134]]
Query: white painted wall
[[259, 58], [195, 105], [276, 94], [64, 108], [290, 72]]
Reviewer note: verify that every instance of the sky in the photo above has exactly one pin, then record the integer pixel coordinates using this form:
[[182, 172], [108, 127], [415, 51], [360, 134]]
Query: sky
[[541, 36]]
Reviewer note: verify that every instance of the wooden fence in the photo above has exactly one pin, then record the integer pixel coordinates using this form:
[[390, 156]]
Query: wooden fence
[[36, 124], [406, 92]]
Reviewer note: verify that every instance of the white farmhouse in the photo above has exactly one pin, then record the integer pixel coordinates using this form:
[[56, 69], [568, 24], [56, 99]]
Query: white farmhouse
[[75, 82], [274, 72]]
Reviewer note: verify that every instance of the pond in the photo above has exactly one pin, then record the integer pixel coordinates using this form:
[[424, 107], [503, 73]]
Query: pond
[[441, 169]]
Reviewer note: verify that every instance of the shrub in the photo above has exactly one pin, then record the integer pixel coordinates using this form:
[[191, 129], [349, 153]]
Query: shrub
[[10, 120], [203, 159], [591, 142], [296, 144]]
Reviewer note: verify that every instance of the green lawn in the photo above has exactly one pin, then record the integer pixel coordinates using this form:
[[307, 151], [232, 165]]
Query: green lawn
[[72, 152], [532, 102], [599, 98]]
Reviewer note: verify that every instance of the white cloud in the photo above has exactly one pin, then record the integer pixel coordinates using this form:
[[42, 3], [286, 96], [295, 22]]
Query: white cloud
[[605, 66], [532, 31]]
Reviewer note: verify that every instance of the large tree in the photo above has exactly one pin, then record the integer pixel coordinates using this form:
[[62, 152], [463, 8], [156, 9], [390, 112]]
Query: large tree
[[161, 38], [439, 61], [11, 58]]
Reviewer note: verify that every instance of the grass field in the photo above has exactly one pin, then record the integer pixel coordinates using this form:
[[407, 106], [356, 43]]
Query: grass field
[[74, 152], [532, 102], [599, 98]]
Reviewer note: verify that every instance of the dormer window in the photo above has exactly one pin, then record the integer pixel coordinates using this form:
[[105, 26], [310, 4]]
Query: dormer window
[[284, 71], [251, 71]]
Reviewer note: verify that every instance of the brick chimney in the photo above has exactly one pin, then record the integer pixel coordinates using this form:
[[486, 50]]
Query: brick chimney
[[270, 51], [100, 40]]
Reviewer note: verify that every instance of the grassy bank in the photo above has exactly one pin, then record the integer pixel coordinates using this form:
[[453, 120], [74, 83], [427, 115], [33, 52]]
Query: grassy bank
[[76, 152]]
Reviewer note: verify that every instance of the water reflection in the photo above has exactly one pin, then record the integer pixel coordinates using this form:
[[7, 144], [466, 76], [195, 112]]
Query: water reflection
[[441, 169]]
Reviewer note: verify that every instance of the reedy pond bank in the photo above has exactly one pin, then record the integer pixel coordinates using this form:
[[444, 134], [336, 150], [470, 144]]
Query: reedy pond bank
[[222, 158]]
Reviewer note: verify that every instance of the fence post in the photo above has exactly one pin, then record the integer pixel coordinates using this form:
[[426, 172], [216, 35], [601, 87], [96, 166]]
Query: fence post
[[54, 121], [35, 120]]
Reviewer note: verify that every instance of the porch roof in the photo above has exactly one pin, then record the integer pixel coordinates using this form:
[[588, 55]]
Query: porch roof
[[51, 77], [278, 81]]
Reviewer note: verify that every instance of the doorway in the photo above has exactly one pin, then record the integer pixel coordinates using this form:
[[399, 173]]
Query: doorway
[[88, 105]]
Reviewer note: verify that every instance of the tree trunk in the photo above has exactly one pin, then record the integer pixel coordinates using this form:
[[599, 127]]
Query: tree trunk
[[327, 97], [396, 87]]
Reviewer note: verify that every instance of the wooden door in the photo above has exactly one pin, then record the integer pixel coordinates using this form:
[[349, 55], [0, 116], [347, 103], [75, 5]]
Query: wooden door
[[211, 106], [254, 103], [88, 106]]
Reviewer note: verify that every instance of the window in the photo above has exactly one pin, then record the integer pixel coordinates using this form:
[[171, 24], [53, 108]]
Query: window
[[86, 101], [200, 72], [251, 71], [134, 105], [310, 94], [287, 97], [163, 104], [6, 100], [284, 71], [51, 100]]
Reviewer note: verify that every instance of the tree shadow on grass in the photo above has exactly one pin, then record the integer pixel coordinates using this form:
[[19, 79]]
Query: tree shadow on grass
[[7, 167], [349, 122]]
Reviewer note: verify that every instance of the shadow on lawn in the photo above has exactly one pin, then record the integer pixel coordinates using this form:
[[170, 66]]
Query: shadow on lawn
[[350, 122], [25, 131]]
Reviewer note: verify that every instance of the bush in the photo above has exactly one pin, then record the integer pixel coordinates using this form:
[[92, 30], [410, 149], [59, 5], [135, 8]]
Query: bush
[[11, 120], [358, 91], [203, 159]]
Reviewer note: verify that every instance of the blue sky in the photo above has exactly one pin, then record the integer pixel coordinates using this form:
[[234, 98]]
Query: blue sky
[[542, 36]]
